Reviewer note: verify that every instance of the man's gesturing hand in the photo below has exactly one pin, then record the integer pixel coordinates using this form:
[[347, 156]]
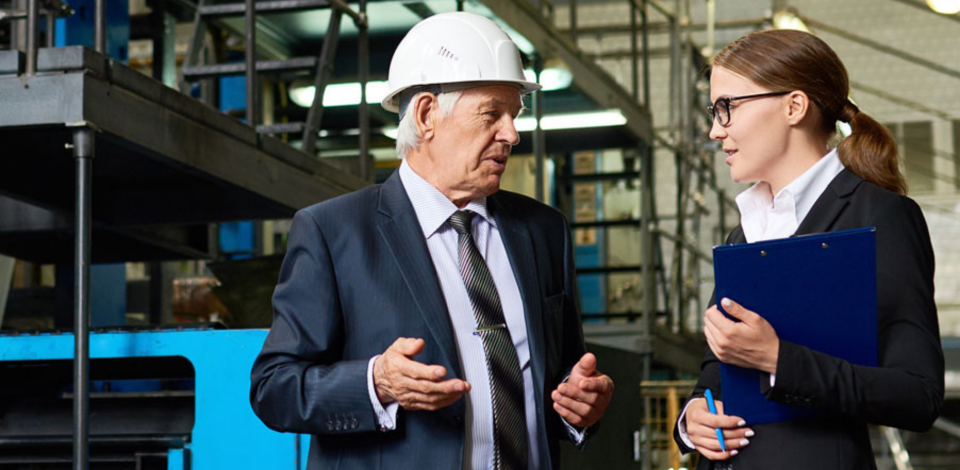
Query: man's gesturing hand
[[582, 400], [415, 386]]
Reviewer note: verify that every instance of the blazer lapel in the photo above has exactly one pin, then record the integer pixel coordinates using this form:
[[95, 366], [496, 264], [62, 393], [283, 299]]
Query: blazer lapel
[[830, 204], [401, 231], [521, 252]]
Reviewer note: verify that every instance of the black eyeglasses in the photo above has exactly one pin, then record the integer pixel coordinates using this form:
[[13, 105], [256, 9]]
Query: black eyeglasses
[[720, 111]]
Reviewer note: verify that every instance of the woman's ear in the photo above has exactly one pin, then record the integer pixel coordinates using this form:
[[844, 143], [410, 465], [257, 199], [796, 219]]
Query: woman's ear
[[798, 107], [425, 110]]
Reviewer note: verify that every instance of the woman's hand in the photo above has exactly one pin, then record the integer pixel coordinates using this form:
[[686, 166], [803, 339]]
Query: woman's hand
[[749, 343], [702, 428]]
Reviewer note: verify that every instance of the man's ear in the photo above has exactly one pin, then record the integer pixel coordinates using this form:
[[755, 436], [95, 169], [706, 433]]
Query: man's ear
[[426, 110], [798, 107]]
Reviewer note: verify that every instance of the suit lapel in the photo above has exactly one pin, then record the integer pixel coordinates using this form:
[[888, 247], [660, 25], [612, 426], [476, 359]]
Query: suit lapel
[[520, 251], [398, 225], [830, 204]]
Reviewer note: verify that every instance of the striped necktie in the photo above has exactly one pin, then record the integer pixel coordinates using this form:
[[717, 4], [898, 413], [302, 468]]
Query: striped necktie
[[503, 367]]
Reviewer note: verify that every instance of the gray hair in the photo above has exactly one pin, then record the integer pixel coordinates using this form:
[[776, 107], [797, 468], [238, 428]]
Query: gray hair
[[407, 137]]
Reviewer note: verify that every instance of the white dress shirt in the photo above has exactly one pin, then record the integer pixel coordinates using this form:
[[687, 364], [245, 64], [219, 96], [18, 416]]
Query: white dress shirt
[[764, 216], [433, 209]]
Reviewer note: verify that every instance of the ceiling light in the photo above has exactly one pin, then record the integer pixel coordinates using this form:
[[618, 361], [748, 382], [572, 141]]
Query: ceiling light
[[551, 79], [605, 118], [337, 94], [789, 20], [944, 7]]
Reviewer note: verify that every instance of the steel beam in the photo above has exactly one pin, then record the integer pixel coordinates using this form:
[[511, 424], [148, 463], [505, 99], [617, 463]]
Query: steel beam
[[83, 153], [324, 70]]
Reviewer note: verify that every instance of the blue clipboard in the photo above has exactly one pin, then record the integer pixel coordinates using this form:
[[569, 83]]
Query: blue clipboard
[[818, 291]]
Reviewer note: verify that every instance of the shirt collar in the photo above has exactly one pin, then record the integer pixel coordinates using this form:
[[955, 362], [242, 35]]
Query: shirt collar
[[432, 207], [801, 193]]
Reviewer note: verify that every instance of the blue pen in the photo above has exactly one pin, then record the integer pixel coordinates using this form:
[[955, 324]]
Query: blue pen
[[713, 409]]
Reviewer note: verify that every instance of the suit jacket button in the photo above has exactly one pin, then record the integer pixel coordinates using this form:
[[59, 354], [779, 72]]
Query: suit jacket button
[[339, 426], [354, 424], [457, 420], [329, 426]]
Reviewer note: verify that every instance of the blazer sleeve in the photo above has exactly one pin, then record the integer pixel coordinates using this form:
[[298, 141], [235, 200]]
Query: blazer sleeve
[[709, 371], [300, 382], [906, 390]]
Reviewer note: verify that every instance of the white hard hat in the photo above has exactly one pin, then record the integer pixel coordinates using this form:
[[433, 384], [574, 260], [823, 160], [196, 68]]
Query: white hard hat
[[454, 51]]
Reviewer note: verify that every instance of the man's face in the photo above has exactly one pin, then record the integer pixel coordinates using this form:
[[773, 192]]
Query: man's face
[[470, 147]]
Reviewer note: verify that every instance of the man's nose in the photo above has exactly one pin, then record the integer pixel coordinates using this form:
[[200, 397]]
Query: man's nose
[[508, 132]]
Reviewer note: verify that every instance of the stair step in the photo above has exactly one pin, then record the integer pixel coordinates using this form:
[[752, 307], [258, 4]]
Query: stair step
[[239, 68], [281, 128], [271, 6]]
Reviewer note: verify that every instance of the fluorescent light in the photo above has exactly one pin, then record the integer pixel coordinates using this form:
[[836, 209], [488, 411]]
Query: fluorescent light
[[788, 20], [551, 79], [338, 94], [554, 122], [944, 7]]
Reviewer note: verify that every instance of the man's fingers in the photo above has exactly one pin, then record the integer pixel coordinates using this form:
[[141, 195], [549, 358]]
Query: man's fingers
[[586, 366], [568, 415], [601, 384], [415, 370], [408, 346], [578, 407]]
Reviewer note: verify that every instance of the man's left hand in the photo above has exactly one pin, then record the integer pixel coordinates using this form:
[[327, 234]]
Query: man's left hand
[[583, 399]]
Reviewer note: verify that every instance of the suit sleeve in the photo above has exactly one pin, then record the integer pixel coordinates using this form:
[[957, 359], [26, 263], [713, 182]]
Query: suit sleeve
[[906, 390], [573, 347], [300, 382]]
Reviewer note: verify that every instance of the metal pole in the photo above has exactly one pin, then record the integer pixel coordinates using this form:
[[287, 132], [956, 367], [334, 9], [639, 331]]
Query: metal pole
[[253, 109], [646, 55], [459, 5], [539, 136], [634, 66], [51, 29], [366, 170], [33, 11], [83, 152], [573, 22], [100, 26], [647, 222]]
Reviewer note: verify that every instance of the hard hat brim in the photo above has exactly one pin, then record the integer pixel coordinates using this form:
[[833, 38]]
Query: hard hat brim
[[391, 102]]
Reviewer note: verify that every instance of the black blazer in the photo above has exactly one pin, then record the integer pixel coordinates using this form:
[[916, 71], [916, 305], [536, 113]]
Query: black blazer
[[357, 275], [905, 391]]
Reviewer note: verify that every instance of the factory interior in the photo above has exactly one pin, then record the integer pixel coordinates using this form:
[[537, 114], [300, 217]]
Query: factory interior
[[160, 148]]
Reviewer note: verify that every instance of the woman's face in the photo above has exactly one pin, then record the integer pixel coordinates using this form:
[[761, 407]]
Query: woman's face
[[755, 139]]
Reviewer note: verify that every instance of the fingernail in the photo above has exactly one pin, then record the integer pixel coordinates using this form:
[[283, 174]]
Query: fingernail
[[726, 302], [742, 423], [733, 452], [744, 442], [750, 434]]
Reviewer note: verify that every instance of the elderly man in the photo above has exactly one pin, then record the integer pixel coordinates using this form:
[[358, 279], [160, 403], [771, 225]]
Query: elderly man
[[432, 322]]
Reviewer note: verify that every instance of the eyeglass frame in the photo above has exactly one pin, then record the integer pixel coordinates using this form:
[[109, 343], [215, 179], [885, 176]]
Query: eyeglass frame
[[712, 109]]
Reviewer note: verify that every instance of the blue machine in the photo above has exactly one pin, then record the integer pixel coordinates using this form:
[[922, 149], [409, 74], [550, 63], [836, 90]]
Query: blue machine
[[225, 433]]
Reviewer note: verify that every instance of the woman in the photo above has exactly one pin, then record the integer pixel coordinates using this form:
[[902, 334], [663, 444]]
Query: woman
[[777, 96]]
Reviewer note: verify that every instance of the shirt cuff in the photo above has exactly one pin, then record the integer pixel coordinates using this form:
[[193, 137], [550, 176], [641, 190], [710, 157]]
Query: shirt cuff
[[386, 417], [773, 380], [577, 436], [682, 425]]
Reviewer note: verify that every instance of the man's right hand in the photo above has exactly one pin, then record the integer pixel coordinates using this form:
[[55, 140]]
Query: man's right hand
[[415, 386], [702, 426]]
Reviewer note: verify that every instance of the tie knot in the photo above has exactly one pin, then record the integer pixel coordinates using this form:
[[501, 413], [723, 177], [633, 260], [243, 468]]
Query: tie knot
[[460, 220]]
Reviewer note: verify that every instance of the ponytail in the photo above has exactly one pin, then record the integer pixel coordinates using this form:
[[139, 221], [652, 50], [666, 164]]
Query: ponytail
[[870, 150]]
